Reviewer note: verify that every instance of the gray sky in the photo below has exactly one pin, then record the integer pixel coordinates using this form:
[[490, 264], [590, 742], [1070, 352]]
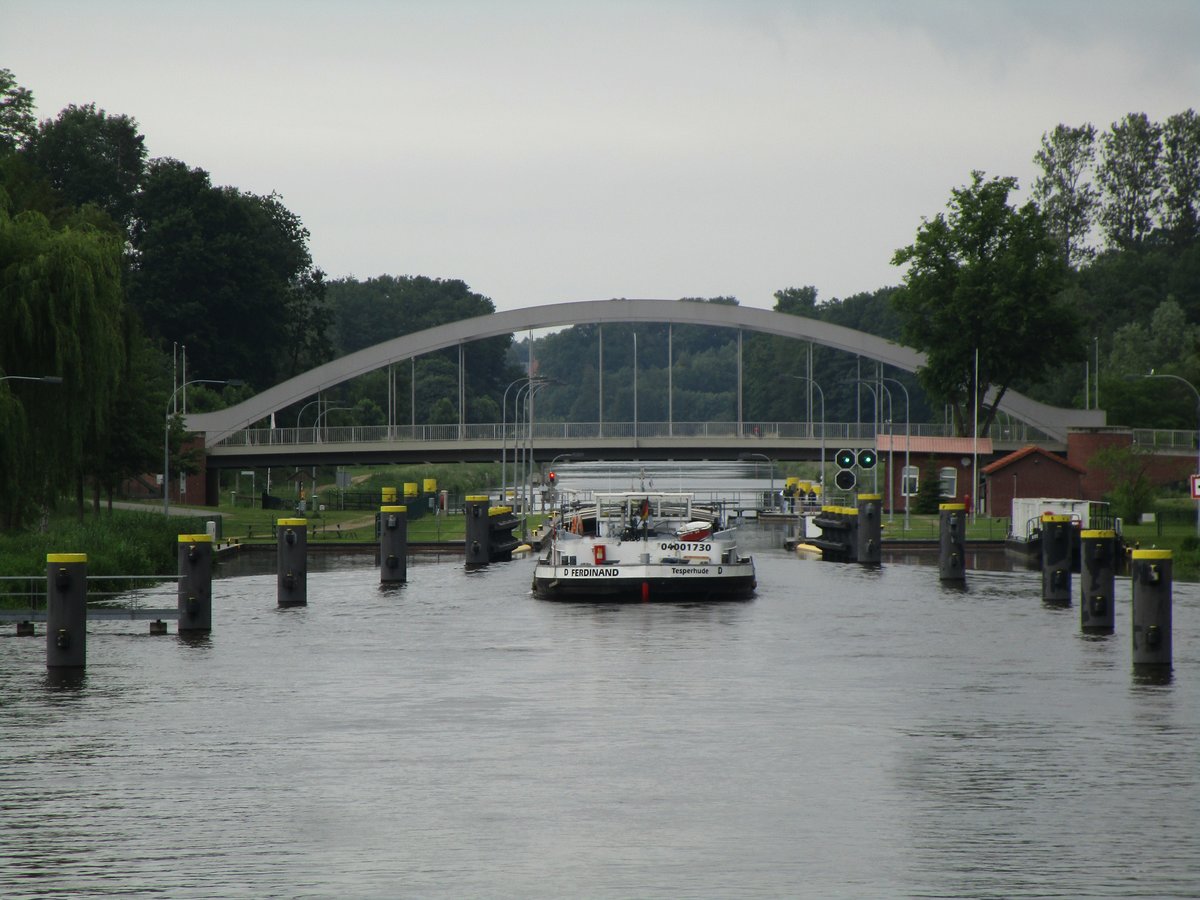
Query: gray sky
[[552, 151]]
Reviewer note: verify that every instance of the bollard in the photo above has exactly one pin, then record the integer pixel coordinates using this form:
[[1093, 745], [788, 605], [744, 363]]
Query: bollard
[[292, 570], [1056, 558], [478, 531], [870, 529], [1097, 568], [1151, 577], [952, 526], [393, 544], [66, 610], [195, 553]]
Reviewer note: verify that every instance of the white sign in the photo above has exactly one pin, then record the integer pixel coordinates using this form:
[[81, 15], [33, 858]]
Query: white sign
[[1195, 482]]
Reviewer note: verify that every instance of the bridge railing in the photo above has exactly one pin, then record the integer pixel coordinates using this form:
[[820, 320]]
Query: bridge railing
[[1155, 439], [514, 432]]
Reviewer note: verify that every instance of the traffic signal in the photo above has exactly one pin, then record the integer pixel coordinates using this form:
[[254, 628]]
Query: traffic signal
[[551, 477], [845, 459], [867, 459], [845, 479]]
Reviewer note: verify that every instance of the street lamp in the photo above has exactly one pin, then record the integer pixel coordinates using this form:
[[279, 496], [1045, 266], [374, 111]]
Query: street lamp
[[45, 379], [322, 413], [575, 454], [771, 463], [504, 434], [1197, 395], [531, 390], [821, 394], [907, 441], [879, 406], [234, 382]]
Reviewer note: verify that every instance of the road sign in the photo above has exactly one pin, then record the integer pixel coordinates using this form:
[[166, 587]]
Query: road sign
[[1195, 482]]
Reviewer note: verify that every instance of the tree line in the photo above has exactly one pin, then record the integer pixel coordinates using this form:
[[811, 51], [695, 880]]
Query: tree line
[[114, 267]]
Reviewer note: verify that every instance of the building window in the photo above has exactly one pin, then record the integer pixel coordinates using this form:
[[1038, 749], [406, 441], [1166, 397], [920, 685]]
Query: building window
[[910, 481], [948, 475]]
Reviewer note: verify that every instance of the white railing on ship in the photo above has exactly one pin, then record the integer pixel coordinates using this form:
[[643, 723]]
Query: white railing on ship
[[495, 433]]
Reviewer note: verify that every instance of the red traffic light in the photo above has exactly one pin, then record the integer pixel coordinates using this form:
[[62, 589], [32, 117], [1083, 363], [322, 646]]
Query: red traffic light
[[551, 477]]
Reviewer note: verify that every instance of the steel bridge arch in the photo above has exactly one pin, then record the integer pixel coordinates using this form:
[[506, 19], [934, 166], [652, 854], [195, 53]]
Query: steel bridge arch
[[1054, 421]]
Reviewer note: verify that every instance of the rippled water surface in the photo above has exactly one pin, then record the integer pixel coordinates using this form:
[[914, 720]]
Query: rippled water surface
[[846, 733]]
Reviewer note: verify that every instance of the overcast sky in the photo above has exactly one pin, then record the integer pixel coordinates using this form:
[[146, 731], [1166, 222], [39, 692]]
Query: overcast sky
[[555, 151]]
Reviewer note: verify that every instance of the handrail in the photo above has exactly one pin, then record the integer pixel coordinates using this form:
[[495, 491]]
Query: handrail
[[495, 432]]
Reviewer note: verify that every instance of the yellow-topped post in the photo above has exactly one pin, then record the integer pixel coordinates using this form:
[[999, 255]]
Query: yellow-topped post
[[194, 556], [292, 562], [66, 610], [870, 529], [1057, 544], [952, 526], [1097, 580], [1151, 574], [393, 544]]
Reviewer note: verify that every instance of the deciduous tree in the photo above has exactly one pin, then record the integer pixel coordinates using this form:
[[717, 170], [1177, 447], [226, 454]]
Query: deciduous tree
[[981, 298], [17, 122], [1130, 180], [91, 157], [1063, 191]]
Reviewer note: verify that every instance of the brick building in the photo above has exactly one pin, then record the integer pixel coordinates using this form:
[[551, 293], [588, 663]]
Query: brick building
[[1030, 472]]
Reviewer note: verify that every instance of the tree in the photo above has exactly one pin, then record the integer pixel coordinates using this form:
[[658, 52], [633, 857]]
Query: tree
[[1130, 180], [929, 491], [17, 121], [1062, 191], [226, 273], [1132, 493], [91, 157], [1181, 176], [981, 298], [60, 314]]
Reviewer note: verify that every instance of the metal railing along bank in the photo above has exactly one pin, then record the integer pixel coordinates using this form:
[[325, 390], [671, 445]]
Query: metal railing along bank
[[496, 433]]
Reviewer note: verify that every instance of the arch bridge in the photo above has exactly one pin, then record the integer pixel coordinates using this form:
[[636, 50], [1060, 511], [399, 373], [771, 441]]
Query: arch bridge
[[231, 441]]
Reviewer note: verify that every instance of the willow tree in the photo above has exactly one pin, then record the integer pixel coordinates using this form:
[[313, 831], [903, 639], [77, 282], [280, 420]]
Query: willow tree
[[60, 314], [982, 298]]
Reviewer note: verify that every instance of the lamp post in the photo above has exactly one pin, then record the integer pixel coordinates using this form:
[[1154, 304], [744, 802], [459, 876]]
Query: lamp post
[[45, 379], [1197, 395], [907, 441], [575, 454], [821, 394], [527, 474], [771, 463], [322, 413], [167, 435], [879, 407], [504, 435]]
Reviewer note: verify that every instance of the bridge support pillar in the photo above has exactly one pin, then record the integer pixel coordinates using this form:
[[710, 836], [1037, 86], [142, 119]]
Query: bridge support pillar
[[66, 610], [292, 569], [1151, 577], [952, 529], [1097, 588], [1056, 559], [195, 552], [393, 544]]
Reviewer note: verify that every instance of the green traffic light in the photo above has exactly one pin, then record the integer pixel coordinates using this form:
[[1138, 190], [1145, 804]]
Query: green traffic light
[[845, 459], [866, 459]]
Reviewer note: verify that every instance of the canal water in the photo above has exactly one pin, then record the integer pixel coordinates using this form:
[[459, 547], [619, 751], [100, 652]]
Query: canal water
[[846, 733]]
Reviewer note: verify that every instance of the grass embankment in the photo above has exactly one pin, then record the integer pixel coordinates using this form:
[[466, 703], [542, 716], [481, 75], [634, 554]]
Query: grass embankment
[[123, 543]]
